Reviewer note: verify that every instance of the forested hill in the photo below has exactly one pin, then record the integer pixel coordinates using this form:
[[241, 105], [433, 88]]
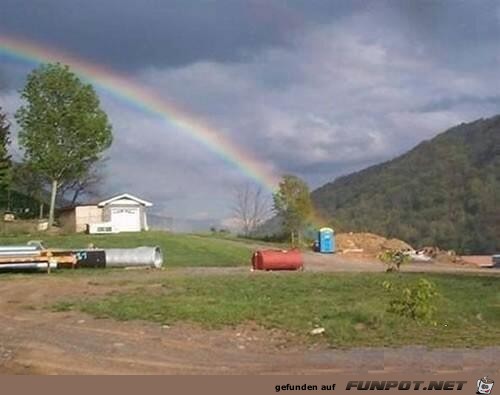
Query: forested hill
[[444, 192]]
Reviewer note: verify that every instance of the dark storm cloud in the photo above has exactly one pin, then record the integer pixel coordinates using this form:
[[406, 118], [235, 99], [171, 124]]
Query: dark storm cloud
[[12, 75], [130, 34]]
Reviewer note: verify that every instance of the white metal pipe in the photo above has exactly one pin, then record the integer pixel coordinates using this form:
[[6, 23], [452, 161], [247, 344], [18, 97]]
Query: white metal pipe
[[19, 248], [134, 257]]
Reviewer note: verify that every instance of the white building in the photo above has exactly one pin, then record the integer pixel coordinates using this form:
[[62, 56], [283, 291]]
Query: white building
[[122, 213]]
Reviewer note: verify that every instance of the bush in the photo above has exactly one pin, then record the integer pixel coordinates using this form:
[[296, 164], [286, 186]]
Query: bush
[[393, 259], [268, 238], [417, 301], [18, 227]]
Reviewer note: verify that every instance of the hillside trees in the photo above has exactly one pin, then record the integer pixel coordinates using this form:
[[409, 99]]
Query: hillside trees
[[445, 192], [63, 130]]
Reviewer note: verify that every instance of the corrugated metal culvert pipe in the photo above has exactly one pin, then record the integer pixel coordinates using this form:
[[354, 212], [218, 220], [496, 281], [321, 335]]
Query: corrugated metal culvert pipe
[[25, 257], [134, 257]]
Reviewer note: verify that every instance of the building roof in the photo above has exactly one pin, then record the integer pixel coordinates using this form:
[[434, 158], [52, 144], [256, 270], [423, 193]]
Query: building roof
[[125, 196], [69, 208]]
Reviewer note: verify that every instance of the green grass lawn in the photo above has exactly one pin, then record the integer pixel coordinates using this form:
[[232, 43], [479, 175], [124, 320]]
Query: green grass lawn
[[351, 307], [178, 249]]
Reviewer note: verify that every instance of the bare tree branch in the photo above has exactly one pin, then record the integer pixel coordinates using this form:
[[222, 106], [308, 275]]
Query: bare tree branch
[[87, 183], [251, 207]]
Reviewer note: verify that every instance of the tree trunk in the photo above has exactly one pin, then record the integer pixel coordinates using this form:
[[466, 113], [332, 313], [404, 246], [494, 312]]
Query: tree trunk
[[8, 200], [52, 203], [41, 211], [76, 193]]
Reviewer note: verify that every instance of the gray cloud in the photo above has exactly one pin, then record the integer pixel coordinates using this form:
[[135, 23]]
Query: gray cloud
[[344, 98], [12, 74], [315, 88], [4, 84], [448, 103], [9, 102]]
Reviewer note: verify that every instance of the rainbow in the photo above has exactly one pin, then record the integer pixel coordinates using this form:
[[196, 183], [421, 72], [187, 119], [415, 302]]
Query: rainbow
[[146, 100]]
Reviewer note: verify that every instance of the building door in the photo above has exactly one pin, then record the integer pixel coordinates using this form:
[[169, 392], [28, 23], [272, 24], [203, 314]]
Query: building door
[[126, 219]]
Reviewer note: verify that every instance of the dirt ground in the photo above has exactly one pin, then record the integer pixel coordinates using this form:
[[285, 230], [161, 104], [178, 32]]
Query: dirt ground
[[34, 340], [366, 263]]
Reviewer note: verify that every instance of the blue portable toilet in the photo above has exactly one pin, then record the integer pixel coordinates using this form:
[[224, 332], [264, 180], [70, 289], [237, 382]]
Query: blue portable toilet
[[326, 240]]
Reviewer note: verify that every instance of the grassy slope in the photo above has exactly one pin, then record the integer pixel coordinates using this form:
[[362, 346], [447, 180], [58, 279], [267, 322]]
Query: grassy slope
[[351, 307], [179, 249]]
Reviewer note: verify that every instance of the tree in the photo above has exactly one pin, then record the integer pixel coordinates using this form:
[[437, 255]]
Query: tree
[[293, 203], [63, 130], [87, 183], [5, 158], [29, 183], [251, 207]]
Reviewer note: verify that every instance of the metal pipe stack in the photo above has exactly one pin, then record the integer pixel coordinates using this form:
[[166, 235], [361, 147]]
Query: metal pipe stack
[[24, 257], [36, 257]]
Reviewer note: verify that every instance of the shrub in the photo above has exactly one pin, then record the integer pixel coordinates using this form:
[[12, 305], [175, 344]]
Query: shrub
[[417, 301], [393, 259]]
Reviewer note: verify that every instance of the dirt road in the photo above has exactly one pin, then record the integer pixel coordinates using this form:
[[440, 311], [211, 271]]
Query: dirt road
[[34, 340]]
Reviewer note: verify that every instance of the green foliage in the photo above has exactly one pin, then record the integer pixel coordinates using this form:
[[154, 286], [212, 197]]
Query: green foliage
[[26, 192], [27, 181], [444, 192], [63, 130], [5, 158], [393, 259], [62, 127], [62, 306], [293, 203], [23, 206], [415, 301]]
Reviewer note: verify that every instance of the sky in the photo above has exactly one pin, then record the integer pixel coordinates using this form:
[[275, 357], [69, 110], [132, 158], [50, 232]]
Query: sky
[[316, 88]]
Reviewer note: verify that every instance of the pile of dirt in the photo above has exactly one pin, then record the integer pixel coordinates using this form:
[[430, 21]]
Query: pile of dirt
[[442, 256], [368, 243]]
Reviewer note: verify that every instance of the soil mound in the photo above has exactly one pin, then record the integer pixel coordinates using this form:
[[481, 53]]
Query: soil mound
[[368, 243]]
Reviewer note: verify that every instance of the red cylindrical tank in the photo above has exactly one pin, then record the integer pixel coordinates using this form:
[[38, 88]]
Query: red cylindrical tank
[[277, 260]]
